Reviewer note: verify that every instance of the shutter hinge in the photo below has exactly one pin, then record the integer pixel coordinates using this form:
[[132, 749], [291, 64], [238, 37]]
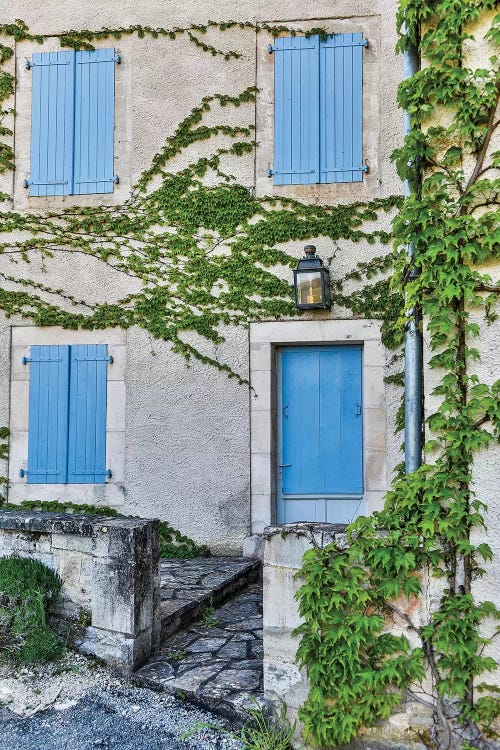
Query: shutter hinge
[[272, 49], [362, 43], [25, 472], [25, 360], [271, 172], [109, 359], [117, 59], [108, 473], [348, 168], [27, 183], [28, 64], [91, 180]]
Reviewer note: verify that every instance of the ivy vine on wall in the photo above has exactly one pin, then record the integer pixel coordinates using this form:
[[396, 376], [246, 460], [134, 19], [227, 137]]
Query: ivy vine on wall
[[199, 255], [168, 238]]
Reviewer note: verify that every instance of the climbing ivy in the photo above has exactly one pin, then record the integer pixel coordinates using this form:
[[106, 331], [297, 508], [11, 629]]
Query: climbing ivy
[[201, 253], [426, 540]]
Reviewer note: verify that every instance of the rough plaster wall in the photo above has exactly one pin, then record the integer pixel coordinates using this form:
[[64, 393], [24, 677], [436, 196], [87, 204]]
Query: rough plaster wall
[[183, 424], [187, 441]]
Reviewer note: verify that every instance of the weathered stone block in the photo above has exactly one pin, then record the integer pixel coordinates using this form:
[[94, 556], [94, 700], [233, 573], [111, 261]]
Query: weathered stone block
[[253, 546], [72, 543], [109, 566]]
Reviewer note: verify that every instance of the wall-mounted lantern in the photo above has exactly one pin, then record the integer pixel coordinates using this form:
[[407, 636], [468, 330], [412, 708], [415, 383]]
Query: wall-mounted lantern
[[312, 282]]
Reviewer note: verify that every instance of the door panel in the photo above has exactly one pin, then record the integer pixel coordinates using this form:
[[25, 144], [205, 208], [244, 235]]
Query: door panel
[[320, 435]]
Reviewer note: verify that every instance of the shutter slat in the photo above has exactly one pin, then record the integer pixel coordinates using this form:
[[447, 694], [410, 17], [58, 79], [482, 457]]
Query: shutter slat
[[94, 121], [87, 414], [48, 414], [52, 123], [341, 114], [357, 107], [296, 110]]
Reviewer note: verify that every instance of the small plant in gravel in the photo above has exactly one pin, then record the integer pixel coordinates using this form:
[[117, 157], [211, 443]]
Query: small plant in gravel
[[177, 655], [267, 732], [208, 617], [262, 730], [28, 590]]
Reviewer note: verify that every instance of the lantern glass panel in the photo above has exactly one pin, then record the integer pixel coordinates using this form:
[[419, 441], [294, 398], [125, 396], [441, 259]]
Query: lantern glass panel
[[309, 288]]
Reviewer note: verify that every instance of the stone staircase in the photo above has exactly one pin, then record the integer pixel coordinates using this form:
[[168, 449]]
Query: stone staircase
[[211, 652]]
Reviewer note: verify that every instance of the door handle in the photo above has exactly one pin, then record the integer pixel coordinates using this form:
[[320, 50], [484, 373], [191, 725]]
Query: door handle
[[284, 466], [358, 410]]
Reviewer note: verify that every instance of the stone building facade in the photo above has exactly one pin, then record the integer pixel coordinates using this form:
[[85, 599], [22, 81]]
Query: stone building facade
[[191, 445]]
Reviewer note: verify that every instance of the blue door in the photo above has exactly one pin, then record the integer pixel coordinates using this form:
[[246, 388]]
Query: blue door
[[320, 434]]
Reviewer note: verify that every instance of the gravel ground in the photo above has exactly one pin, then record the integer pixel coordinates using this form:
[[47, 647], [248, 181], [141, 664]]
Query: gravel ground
[[113, 717], [76, 704]]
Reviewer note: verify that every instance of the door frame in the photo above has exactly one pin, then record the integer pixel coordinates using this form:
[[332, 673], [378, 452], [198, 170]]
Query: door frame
[[279, 425], [265, 338]]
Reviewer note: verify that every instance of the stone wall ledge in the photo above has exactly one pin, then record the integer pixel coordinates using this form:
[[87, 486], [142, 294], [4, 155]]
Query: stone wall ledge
[[110, 569], [305, 527], [68, 523]]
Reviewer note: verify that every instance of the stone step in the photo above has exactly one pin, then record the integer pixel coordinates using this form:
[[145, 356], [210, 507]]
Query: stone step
[[189, 588], [217, 663]]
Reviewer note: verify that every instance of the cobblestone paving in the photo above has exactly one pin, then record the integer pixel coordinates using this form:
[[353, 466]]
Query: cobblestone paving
[[189, 586], [217, 661]]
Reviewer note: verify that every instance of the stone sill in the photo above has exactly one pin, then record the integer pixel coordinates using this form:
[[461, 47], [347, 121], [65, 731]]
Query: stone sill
[[67, 523]]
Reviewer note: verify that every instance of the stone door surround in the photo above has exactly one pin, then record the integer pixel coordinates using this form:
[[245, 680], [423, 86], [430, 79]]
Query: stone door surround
[[265, 338]]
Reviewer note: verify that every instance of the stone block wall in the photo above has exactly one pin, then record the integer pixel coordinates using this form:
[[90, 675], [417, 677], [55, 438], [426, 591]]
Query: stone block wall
[[283, 551], [110, 573]]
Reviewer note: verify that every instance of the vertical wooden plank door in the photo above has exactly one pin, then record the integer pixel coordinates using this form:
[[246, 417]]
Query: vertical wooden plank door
[[320, 434]]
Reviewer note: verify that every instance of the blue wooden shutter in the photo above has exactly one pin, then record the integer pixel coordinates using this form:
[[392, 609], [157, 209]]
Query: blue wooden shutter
[[341, 108], [87, 414], [296, 110], [341, 427], [48, 414], [94, 121], [52, 123]]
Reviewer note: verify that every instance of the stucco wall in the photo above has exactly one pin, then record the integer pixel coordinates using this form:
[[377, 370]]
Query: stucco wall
[[187, 435]]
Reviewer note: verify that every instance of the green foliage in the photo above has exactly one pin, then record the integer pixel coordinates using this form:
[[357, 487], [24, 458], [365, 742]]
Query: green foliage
[[208, 618], [264, 732], [173, 544], [28, 589], [205, 253], [261, 731], [200, 249], [358, 671]]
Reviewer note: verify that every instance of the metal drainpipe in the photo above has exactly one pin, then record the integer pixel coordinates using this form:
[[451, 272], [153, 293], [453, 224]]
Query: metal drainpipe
[[413, 336]]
